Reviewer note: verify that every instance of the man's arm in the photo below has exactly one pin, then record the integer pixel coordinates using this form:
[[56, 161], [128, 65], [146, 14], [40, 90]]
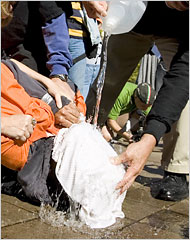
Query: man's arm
[[56, 37], [116, 128], [53, 89], [69, 112], [166, 110], [172, 97]]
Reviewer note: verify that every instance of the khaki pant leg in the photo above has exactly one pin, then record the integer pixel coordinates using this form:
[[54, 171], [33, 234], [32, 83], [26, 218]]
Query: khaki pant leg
[[175, 157]]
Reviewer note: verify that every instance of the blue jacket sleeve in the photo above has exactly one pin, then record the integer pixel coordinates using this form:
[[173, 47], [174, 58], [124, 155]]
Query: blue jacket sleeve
[[56, 38]]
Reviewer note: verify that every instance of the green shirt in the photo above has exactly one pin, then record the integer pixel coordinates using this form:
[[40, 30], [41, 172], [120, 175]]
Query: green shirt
[[125, 102]]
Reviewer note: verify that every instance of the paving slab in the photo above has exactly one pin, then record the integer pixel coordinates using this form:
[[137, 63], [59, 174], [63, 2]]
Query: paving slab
[[10, 215], [36, 229], [143, 195], [130, 209], [181, 207], [144, 231], [168, 221], [15, 201]]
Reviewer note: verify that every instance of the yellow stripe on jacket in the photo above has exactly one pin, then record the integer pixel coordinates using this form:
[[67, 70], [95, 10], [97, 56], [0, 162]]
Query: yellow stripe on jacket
[[77, 33], [77, 27]]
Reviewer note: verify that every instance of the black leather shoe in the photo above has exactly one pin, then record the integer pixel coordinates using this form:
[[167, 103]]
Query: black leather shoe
[[173, 187]]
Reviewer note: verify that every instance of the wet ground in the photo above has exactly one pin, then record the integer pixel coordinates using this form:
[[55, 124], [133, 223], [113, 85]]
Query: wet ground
[[145, 217]]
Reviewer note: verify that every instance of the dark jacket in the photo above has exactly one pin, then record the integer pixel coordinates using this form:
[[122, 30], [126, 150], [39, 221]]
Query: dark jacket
[[22, 39], [174, 93], [164, 21], [172, 97]]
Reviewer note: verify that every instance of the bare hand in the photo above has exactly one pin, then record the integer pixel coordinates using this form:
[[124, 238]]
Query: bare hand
[[178, 5], [128, 136], [58, 88], [106, 133], [135, 156], [19, 127], [68, 115], [96, 9]]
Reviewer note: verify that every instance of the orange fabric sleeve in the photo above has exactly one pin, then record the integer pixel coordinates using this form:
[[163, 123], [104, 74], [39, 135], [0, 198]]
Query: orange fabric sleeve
[[80, 103], [14, 100]]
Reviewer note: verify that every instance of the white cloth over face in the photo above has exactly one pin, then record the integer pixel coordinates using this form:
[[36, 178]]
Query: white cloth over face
[[87, 175]]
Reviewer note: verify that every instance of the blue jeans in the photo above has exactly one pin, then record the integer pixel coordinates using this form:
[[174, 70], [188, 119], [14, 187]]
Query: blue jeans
[[84, 72], [90, 75], [77, 71], [92, 69]]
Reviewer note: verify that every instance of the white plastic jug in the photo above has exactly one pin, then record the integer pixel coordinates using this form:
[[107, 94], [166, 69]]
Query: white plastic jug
[[122, 16]]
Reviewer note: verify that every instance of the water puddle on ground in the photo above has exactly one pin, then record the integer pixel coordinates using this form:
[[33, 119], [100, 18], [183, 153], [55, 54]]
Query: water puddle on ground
[[70, 220]]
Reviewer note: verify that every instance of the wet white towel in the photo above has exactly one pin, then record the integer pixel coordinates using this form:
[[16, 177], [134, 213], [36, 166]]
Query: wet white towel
[[86, 174]]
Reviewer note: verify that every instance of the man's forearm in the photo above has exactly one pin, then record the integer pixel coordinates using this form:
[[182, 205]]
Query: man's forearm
[[56, 37], [116, 128], [33, 74], [172, 96]]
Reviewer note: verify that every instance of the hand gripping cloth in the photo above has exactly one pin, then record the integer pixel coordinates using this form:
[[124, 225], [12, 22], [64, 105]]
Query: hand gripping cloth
[[87, 175]]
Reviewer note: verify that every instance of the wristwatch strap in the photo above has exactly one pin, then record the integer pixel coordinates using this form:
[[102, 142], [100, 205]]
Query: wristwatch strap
[[63, 77]]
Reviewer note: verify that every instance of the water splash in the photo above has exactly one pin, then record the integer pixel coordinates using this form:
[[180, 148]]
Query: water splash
[[51, 216], [69, 219]]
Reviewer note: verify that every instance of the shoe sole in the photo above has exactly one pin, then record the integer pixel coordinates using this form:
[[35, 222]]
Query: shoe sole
[[172, 198]]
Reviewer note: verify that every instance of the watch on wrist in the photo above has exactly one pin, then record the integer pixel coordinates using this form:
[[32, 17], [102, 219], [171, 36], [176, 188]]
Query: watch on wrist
[[63, 77]]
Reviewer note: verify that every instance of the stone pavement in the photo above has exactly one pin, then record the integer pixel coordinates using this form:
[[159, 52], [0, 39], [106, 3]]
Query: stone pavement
[[145, 217]]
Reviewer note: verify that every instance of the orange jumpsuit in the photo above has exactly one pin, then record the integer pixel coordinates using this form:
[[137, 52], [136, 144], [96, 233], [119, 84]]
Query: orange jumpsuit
[[14, 100]]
